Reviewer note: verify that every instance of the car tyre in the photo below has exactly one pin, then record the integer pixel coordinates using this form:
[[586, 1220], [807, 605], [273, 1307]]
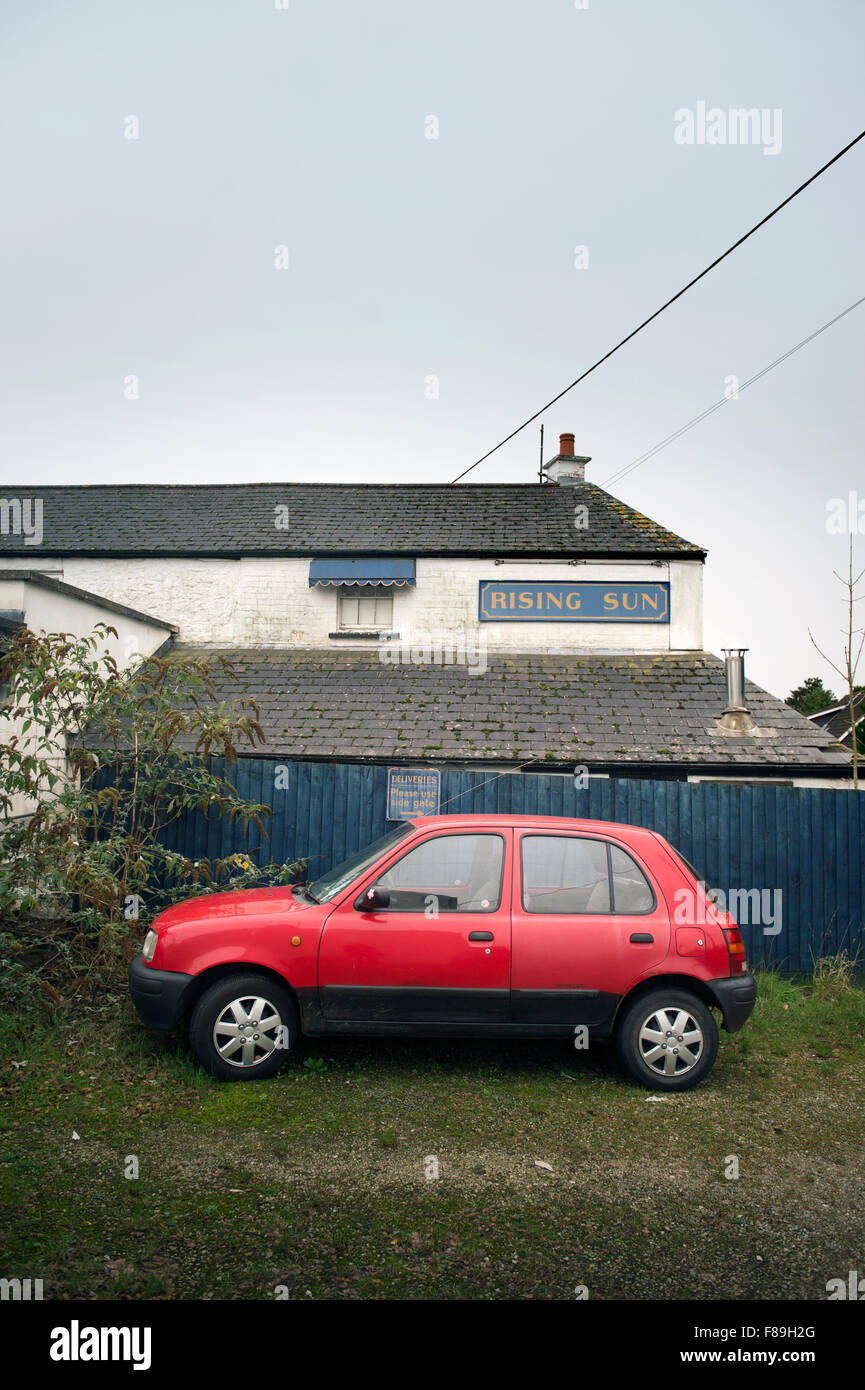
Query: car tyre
[[667, 1040], [244, 1027]]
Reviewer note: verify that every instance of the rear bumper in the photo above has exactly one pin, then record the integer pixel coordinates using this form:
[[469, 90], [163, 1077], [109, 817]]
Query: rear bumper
[[735, 998], [160, 996]]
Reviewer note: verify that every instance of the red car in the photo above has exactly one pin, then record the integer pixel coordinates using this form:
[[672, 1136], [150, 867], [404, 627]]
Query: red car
[[468, 925]]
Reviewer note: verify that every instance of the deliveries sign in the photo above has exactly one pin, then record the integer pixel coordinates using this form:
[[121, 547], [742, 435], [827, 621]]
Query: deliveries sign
[[413, 792]]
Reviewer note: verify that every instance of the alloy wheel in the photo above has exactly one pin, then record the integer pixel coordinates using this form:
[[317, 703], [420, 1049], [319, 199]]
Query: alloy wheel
[[247, 1031], [671, 1041]]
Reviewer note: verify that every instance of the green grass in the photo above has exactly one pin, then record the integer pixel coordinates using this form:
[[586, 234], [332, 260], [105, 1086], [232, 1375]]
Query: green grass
[[317, 1180]]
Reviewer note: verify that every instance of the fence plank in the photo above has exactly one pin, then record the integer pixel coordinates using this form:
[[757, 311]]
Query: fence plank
[[806, 842]]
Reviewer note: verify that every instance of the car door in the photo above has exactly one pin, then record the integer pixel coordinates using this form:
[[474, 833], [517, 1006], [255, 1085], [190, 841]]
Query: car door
[[587, 921], [439, 954]]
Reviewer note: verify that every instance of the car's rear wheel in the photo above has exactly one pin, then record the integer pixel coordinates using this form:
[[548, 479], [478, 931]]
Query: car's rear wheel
[[244, 1027], [667, 1040]]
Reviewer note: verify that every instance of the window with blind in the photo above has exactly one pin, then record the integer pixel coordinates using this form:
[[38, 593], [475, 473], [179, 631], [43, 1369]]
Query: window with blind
[[365, 606]]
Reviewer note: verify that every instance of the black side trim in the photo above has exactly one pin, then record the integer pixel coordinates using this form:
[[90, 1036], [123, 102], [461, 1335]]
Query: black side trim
[[569, 1006], [381, 1028], [407, 1004]]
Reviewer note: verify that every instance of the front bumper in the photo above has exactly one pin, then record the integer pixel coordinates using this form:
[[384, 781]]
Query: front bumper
[[160, 996], [735, 998]]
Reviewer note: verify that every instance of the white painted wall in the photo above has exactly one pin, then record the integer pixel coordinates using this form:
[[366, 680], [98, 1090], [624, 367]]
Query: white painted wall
[[45, 610], [268, 602]]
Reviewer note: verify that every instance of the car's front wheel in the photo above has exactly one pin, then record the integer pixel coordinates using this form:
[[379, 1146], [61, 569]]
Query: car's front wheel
[[244, 1027], [668, 1040]]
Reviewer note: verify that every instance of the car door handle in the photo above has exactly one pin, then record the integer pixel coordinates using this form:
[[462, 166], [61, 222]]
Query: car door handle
[[641, 936], [480, 936]]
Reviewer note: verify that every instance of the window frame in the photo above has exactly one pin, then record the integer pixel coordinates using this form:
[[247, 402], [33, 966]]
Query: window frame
[[421, 910], [610, 845], [381, 591]]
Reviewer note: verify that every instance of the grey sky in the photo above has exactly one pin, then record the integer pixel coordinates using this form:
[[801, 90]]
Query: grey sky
[[410, 258]]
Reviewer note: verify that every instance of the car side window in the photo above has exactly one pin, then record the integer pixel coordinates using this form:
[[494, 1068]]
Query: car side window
[[449, 873], [631, 889], [564, 873]]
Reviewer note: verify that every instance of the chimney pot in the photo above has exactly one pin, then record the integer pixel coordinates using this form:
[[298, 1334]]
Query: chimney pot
[[567, 468]]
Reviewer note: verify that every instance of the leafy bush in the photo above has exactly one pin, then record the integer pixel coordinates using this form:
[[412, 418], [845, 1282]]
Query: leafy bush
[[108, 760]]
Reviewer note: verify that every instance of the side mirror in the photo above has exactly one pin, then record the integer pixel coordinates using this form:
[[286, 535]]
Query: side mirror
[[372, 900]]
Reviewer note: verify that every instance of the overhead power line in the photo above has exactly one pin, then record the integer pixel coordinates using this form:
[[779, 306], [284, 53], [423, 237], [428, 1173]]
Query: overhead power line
[[717, 261], [677, 434]]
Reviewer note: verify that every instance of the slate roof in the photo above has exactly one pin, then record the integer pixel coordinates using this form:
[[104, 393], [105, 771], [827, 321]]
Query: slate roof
[[408, 519], [836, 720], [650, 710]]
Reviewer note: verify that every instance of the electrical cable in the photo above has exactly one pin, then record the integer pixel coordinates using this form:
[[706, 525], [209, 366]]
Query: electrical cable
[[678, 295]]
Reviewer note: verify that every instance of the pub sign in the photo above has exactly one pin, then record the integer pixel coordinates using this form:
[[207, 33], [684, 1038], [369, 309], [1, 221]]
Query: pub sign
[[594, 601]]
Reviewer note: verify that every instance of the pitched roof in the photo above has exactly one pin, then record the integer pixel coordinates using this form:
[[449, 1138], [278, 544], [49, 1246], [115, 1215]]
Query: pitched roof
[[651, 710], [412, 518], [47, 581], [836, 719]]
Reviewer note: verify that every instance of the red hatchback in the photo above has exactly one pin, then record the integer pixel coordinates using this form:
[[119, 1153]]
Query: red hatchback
[[470, 925]]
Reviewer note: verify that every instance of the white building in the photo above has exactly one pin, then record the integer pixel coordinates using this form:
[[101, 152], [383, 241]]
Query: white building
[[460, 624]]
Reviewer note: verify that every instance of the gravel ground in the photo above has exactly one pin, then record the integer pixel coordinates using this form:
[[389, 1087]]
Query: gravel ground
[[413, 1170]]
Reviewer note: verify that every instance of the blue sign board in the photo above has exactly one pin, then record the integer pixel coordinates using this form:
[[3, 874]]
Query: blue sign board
[[413, 791], [595, 601]]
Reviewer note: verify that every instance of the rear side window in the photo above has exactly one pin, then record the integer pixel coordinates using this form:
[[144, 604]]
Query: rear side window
[[631, 889], [562, 873], [573, 876]]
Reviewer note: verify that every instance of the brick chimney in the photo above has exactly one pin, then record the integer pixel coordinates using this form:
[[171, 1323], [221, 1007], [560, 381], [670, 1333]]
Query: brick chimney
[[567, 468]]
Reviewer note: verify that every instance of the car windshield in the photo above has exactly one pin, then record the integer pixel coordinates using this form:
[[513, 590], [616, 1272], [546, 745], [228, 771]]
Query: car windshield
[[332, 883]]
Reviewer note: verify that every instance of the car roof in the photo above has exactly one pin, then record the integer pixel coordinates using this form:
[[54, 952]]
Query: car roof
[[518, 821]]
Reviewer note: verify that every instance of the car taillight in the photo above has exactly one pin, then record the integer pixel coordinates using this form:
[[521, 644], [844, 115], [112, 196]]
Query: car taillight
[[736, 951]]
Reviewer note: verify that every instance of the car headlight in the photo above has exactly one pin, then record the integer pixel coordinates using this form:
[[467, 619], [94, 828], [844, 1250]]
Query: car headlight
[[150, 941]]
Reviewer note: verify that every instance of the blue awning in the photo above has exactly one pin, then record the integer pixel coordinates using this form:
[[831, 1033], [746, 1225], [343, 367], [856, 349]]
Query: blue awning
[[369, 569]]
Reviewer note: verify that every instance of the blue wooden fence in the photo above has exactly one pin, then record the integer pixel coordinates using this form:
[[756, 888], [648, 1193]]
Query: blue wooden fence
[[806, 843]]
